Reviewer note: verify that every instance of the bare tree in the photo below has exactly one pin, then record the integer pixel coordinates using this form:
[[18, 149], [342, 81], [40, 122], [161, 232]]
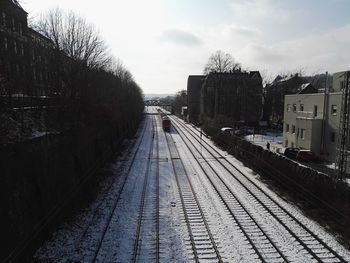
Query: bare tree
[[221, 62], [78, 47]]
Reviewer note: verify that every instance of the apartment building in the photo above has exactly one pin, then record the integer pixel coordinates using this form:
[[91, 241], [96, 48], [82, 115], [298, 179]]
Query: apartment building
[[311, 121]]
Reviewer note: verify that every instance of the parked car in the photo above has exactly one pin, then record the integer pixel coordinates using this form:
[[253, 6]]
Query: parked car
[[306, 156], [227, 131], [291, 152]]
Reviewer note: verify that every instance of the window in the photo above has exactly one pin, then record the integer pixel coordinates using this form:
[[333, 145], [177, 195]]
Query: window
[[293, 128], [22, 50], [298, 133], [286, 143], [288, 107], [334, 109], [15, 46], [3, 18], [34, 74], [294, 107], [13, 25], [18, 70], [315, 110], [301, 107], [20, 28], [302, 134], [332, 136], [287, 127], [5, 43]]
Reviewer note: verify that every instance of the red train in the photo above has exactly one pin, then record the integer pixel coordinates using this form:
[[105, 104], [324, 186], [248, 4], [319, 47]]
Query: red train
[[166, 123]]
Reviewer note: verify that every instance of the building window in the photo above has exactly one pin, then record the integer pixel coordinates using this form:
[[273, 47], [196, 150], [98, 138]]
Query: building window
[[334, 109], [34, 74], [18, 70], [15, 47], [20, 28], [302, 134], [3, 18], [5, 43], [298, 133], [294, 107], [287, 127], [288, 107], [332, 136], [22, 49], [286, 143], [293, 128], [315, 110], [301, 107], [13, 25]]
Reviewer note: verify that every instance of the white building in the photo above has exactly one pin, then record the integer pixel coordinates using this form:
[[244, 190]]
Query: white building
[[311, 121]]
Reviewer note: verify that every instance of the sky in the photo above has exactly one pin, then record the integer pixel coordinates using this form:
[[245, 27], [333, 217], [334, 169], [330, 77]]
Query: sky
[[162, 42]]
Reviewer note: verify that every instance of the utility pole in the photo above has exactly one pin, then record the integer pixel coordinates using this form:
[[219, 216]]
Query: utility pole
[[324, 116], [343, 138]]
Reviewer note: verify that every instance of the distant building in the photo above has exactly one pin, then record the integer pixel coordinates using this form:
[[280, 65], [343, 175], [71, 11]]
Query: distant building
[[311, 121], [236, 95], [41, 51], [194, 85], [25, 55], [275, 92], [13, 48]]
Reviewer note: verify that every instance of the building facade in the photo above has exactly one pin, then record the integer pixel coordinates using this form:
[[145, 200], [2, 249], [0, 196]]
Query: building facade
[[13, 48], [275, 93], [311, 121], [25, 55], [236, 95], [194, 85]]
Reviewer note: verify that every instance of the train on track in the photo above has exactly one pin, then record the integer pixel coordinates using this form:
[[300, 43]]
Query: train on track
[[166, 123]]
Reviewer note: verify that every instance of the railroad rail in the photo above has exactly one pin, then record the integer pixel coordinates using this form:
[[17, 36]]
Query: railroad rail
[[309, 241], [203, 245], [117, 198], [147, 232]]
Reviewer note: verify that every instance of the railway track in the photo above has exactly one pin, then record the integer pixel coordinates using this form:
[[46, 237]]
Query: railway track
[[146, 246], [308, 242], [117, 198], [203, 245]]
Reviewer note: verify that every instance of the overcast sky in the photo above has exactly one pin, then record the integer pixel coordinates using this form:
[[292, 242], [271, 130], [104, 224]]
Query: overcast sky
[[163, 41]]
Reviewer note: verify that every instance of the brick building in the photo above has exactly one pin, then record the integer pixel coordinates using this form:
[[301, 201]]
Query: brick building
[[13, 48], [236, 95], [194, 85], [24, 55]]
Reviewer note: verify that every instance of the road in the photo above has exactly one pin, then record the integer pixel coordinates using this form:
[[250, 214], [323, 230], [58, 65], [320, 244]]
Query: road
[[175, 197]]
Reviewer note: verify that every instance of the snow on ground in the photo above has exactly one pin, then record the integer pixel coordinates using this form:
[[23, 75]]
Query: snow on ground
[[78, 241], [275, 140]]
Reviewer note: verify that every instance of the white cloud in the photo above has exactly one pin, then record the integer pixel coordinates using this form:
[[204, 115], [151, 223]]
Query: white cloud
[[180, 37], [259, 10]]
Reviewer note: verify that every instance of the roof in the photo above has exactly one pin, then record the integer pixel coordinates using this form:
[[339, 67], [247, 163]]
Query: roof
[[15, 2]]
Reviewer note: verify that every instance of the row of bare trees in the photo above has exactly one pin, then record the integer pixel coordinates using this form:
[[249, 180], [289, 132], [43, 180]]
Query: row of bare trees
[[84, 69]]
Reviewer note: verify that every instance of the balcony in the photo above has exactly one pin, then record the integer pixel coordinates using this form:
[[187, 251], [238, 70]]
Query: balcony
[[307, 115]]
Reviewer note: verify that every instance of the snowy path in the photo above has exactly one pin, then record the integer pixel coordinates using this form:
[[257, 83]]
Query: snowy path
[[175, 197]]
